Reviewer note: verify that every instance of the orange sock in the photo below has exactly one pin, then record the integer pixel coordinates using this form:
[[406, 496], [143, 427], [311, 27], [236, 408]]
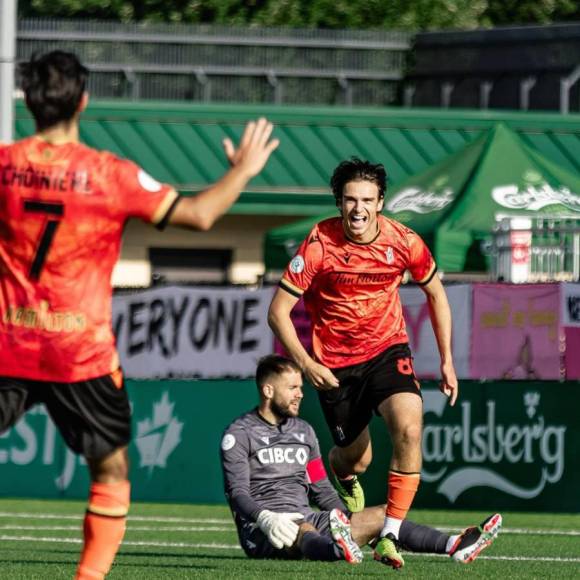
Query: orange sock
[[402, 490], [104, 528]]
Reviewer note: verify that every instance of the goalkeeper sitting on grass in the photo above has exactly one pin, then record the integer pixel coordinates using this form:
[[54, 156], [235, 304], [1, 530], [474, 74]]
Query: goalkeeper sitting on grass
[[273, 471]]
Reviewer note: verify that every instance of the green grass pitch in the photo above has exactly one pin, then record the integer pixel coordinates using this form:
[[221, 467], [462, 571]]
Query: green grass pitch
[[42, 539]]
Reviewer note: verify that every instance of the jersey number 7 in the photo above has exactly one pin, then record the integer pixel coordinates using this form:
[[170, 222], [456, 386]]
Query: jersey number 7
[[55, 211]]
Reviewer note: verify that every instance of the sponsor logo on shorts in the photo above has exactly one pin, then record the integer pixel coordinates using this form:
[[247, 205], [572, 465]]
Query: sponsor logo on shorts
[[339, 433]]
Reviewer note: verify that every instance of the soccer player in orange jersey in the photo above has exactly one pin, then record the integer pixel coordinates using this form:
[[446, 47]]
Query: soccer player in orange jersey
[[63, 207], [349, 269]]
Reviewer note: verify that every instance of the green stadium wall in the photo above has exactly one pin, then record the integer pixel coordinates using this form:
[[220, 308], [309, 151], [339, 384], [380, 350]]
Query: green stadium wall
[[505, 445]]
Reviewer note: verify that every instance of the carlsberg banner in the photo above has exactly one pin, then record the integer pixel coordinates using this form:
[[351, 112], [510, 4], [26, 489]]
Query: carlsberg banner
[[504, 445]]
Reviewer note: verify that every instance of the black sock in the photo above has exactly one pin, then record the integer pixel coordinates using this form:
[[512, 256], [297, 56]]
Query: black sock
[[418, 538], [317, 547]]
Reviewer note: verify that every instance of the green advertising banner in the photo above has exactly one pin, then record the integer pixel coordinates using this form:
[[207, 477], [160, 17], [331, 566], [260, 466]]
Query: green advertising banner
[[174, 454], [505, 445]]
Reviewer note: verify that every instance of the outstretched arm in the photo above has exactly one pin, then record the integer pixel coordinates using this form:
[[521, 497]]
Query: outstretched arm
[[247, 160], [440, 315]]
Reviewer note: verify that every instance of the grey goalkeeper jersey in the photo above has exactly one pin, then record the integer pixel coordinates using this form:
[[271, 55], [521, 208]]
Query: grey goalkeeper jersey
[[274, 467]]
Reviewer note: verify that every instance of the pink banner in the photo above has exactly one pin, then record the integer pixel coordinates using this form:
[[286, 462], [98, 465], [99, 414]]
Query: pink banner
[[515, 332], [571, 322], [572, 353]]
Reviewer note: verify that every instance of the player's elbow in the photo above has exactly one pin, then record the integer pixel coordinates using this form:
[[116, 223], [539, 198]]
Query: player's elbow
[[190, 213], [204, 223], [272, 318]]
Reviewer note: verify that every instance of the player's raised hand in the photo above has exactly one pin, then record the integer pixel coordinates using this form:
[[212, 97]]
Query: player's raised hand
[[254, 149], [320, 377], [449, 385]]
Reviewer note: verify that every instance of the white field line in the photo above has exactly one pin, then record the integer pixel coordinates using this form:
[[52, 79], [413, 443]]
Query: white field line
[[129, 528], [42, 516], [217, 546], [230, 525]]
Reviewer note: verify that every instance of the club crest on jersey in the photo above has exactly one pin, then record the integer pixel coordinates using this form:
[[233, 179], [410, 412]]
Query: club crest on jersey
[[228, 442], [147, 182], [297, 264], [390, 255]]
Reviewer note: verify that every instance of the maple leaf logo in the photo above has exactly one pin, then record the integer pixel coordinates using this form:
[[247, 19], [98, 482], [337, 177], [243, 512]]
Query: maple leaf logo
[[159, 436]]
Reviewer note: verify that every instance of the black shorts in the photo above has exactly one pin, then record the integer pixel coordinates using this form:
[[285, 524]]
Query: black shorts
[[256, 545], [93, 417], [349, 408]]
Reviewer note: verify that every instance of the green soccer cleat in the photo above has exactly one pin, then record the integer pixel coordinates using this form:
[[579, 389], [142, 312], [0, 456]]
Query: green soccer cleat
[[388, 551], [340, 531], [473, 540], [351, 493]]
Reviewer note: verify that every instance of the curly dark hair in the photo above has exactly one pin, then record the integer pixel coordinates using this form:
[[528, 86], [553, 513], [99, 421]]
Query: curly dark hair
[[53, 85], [356, 169]]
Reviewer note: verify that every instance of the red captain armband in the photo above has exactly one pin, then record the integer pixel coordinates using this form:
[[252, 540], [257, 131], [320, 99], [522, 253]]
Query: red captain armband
[[315, 470]]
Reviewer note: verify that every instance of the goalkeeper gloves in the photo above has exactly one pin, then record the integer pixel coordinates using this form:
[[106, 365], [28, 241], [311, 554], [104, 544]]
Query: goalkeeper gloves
[[280, 529]]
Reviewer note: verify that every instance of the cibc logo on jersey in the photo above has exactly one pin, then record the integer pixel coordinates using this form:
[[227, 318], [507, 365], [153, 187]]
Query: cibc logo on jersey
[[283, 455]]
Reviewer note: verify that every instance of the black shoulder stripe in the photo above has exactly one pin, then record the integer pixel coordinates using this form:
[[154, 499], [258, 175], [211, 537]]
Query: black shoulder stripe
[[162, 224], [425, 282], [289, 289]]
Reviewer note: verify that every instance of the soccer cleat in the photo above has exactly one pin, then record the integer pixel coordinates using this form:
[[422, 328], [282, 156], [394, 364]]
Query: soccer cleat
[[388, 551], [473, 540], [351, 493], [340, 531]]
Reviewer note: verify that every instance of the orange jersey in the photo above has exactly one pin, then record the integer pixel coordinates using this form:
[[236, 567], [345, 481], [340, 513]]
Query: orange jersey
[[62, 212], [351, 289]]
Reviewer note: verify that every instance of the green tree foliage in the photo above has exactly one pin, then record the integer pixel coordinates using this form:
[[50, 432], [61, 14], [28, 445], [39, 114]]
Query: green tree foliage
[[336, 14]]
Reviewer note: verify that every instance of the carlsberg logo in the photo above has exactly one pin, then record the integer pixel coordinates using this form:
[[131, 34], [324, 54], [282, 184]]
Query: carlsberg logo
[[535, 444]]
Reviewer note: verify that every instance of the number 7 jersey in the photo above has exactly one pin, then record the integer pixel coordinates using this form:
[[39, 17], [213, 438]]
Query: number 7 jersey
[[62, 213]]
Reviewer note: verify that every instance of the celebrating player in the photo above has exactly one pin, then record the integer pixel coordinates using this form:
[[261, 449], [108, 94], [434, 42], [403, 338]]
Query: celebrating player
[[272, 470], [349, 269], [63, 207]]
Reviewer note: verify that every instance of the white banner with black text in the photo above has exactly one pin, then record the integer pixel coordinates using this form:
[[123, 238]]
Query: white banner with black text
[[192, 332]]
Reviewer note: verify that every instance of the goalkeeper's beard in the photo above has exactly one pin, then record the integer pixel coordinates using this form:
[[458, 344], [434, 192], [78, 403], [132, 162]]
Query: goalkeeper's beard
[[286, 411]]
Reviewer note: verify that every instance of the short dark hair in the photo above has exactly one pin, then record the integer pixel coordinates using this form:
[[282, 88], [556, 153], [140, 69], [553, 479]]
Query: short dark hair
[[355, 169], [271, 365], [53, 85]]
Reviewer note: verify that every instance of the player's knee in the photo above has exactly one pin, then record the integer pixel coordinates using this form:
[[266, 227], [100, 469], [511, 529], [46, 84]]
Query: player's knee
[[352, 463], [361, 465], [304, 528], [112, 468], [410, 436]]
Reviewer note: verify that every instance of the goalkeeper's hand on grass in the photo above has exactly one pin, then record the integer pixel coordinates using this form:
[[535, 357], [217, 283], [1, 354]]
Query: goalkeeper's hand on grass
[[281, 529]]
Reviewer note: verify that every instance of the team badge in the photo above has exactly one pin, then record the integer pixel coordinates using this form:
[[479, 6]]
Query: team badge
[[297, 264], [228, 441], [390, 255], [147, 182]]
